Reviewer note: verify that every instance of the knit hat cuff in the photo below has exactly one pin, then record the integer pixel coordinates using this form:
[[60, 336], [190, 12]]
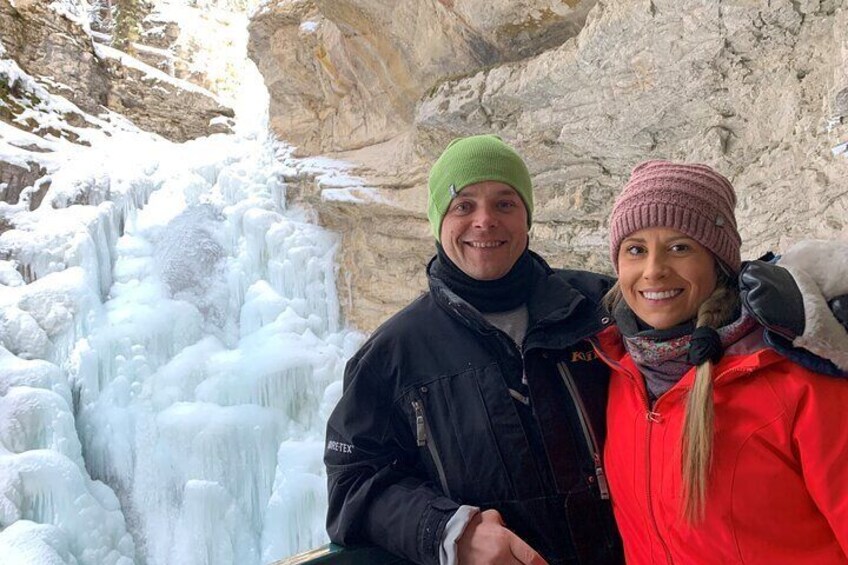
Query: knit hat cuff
[[716, 234], [439, 202], [472, 160]]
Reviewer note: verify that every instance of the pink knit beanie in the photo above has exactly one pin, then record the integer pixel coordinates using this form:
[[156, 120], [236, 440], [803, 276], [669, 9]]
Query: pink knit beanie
[[693, 199]]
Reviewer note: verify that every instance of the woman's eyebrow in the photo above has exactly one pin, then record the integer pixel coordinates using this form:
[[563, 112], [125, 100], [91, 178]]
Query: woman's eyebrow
[[664, 241]]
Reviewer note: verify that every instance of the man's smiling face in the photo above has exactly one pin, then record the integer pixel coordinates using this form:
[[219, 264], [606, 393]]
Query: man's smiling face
[[484, 231]]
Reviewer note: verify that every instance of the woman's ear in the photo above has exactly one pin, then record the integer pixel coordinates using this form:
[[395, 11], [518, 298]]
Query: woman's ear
[[724, 277]]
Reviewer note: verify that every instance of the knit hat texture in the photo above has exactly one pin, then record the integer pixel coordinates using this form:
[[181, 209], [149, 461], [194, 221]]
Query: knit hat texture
[[469, 160], [690, 198]]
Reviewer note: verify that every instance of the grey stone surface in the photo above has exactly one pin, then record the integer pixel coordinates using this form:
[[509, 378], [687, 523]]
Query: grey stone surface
[[345, 74], [15, 178], [753, 88]]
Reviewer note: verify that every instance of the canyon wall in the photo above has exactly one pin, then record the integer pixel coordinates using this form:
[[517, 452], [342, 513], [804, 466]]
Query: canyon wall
[[585, 90]]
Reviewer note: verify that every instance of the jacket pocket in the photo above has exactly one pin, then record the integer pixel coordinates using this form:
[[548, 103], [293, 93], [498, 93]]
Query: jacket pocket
[[456, 421], [423, 438]]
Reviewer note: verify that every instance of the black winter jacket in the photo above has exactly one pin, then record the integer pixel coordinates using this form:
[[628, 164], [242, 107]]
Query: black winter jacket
[[441, 409]]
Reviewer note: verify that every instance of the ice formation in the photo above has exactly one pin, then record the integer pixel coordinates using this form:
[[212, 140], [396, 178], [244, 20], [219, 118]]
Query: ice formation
[[168, 369]]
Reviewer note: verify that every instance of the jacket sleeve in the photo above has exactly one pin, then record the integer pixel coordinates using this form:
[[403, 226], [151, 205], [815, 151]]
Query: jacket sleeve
[[820, 435], [377, 490], [802, 308]]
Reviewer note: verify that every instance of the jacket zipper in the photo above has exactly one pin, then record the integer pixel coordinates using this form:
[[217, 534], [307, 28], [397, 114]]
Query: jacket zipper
[[652, 418], [422, 434], [588, 432]]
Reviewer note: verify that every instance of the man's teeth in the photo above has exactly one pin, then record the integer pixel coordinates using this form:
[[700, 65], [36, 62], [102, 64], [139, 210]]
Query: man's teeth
[[484, 243], [661, 295]]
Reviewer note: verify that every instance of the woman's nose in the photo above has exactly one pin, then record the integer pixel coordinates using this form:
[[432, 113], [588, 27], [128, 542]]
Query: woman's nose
[[655, 266]]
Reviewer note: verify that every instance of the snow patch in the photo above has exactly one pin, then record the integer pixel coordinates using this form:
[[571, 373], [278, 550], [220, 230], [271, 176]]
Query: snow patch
[[308, 26], [150, 73], [352, 195]]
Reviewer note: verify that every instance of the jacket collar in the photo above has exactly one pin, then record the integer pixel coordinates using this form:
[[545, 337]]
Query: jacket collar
[[559, 314], [610, 347]]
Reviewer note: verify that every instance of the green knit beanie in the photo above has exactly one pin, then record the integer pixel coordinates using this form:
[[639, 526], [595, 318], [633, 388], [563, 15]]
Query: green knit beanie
[[469, 160]]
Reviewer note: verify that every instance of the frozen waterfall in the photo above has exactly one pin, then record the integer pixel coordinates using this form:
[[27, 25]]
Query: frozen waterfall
[[167, 376]]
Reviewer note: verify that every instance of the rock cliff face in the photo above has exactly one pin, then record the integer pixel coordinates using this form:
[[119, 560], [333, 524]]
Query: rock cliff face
[[47, 50], [349, 73], [49, 45], [46, 43], [585, 91]]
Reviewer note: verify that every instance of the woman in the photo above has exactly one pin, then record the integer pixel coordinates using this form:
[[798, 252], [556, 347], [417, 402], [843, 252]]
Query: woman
[[719, 449]]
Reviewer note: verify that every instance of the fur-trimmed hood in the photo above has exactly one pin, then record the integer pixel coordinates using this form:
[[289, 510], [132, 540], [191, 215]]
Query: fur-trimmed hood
[[820, 270]]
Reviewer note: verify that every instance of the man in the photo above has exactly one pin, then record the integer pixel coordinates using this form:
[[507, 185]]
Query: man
[[471, 422]]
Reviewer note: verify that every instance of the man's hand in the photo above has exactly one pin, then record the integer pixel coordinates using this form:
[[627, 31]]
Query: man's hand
[[487, 541]]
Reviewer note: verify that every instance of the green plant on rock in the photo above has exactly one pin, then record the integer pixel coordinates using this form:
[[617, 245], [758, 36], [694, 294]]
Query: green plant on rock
[[128, 17]]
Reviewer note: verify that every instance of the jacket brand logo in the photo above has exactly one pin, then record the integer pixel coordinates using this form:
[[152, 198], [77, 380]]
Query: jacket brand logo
[[339, 446], [583, 355]]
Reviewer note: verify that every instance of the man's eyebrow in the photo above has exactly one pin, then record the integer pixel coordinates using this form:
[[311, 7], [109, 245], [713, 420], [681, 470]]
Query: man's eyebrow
[[500, 192]]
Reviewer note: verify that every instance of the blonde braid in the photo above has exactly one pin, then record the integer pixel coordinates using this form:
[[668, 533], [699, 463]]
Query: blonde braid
[[697, 441]]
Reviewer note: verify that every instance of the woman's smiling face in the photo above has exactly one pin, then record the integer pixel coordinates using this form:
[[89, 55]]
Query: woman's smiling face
[[665, 276]]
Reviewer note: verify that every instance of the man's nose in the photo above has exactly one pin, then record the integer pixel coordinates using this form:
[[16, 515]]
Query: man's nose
[[485, 217]]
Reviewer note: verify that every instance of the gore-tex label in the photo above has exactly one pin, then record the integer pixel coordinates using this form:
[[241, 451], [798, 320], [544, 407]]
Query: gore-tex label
[[333, 445]]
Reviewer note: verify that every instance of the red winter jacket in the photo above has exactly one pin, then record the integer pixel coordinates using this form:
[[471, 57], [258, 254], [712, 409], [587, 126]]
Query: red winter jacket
[[778, 486]]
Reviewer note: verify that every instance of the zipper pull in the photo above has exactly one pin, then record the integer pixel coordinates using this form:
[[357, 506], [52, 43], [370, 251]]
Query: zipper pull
[[525, 400], [420, 429], [653, 417], [603, 485]]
